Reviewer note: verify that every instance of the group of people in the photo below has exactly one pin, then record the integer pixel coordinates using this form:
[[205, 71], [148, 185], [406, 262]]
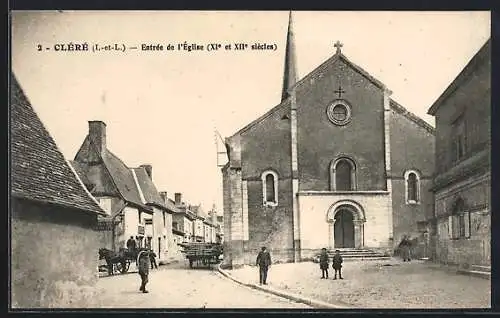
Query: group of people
[[145, 259]]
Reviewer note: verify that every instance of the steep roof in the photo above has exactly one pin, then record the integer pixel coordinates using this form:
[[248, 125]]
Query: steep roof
[[148, 188], [482, 55], [314, 73], [39, 170], [122, 178], [109, 175]]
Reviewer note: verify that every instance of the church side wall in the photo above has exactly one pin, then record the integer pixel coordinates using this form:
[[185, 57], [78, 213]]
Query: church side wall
[[320, 141], [266, 146], [412, 148]]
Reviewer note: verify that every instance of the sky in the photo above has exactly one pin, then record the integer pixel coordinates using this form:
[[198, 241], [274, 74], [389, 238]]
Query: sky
[[162, 107]]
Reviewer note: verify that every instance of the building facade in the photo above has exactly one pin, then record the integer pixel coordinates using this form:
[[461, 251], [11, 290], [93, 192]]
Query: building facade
[[112, 183], [52, 219], [462, 181], [336, 164]]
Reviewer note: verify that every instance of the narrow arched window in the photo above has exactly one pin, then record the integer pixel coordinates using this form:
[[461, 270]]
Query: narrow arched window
[[270, 188], [412, 188], [343, 175]]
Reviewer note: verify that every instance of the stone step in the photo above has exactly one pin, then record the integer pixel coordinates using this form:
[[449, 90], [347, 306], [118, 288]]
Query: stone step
[[481, 268], [372, 258]]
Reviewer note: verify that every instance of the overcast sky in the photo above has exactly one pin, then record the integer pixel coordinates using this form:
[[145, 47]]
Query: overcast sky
[[161, 108]]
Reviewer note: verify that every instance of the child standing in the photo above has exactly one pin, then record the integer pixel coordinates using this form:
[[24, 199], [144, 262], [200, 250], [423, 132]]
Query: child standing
[[337, 264], [323, 263]]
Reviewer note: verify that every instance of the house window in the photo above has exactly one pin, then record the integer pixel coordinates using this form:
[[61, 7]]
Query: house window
[[459, 221], [174, 225], [343, 175], [270, 188], [459, 138], [412, 182]]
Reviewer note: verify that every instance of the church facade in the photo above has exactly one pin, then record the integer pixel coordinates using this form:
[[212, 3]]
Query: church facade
[[336, 164]]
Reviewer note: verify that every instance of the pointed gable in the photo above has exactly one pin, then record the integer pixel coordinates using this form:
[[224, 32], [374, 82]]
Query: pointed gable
[[39, 170]]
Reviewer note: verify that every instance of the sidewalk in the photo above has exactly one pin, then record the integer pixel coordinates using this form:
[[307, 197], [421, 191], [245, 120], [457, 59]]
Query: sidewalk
[[288, 295], [373, 284]]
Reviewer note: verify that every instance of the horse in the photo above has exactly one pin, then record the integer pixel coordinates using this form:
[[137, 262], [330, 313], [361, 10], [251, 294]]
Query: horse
[[111, 258]]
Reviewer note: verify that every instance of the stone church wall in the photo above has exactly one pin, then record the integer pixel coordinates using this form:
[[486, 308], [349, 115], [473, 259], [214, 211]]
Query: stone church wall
[[411, 149], [320, 141]]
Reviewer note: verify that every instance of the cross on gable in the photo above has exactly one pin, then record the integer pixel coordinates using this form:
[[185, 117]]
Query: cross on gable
[[338, 45], [339, 91]]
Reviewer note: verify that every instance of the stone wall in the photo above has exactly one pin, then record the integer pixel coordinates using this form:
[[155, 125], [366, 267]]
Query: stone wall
[[54, 256], [320, 141]]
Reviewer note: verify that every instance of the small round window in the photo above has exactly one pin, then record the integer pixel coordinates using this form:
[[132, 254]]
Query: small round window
[[339, 112]]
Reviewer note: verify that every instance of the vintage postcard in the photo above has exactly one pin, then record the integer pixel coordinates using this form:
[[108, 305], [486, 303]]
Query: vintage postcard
[[253, 159]]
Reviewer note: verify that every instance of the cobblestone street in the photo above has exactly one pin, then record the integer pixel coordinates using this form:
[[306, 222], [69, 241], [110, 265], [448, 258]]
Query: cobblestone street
[[178, 287], [379, 284]]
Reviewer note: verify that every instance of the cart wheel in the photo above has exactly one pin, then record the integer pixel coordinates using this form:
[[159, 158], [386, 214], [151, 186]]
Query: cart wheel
[[123, 267]]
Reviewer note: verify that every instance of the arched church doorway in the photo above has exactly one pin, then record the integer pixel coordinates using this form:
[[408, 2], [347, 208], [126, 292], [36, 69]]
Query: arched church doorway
[[344, 229]]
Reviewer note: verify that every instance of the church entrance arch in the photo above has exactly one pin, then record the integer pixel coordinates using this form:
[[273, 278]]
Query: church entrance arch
[[343, 229], [346, 225]]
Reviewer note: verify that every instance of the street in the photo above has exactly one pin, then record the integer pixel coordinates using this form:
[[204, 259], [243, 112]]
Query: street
[[178, 287]]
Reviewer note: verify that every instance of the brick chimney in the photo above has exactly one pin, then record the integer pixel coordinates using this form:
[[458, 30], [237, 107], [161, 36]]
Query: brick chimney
[[149, 170], [97, 134], [178, 198], [164, 197]]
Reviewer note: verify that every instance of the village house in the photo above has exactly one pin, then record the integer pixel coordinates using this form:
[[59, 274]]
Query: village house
[[337, 164], [159, 234], [183, 219], [54, 246], [113, 184], [462, 180]]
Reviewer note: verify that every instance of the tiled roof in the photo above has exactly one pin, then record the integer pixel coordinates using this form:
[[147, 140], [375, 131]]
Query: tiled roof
[[148, 188], [122, 178], [39, 170]]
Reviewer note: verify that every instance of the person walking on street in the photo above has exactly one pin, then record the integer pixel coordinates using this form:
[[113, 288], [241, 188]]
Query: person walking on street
[[264, 262], [152, 257], [337, 264], [143, 263], [323, 263]]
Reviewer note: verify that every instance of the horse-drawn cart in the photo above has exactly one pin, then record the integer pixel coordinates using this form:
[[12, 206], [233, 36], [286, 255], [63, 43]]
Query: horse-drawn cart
[[206, 254], [117, 262]]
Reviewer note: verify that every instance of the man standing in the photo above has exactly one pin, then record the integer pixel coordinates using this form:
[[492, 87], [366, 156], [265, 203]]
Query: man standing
[[264, 262], [131, 245], [143, 263], [152, 256]]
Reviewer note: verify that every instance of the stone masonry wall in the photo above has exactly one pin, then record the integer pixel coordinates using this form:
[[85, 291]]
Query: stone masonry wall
[[54, 257]]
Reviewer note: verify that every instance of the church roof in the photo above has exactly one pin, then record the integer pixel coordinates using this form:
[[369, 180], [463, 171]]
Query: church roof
[[393, 104], [483, 53], [339, 56], [411, 116], [39, 171]]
